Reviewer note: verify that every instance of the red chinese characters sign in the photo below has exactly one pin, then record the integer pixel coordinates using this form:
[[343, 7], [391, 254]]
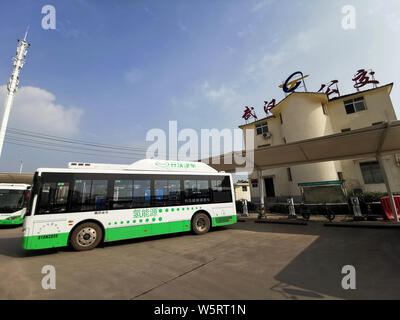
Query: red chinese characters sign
[[364, 77], [249, 113], [269, 106], [329, 90]]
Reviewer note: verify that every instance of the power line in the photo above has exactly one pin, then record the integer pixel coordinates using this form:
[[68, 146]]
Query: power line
[[72, 141], [63, 140], [69, 151], [47, 143]]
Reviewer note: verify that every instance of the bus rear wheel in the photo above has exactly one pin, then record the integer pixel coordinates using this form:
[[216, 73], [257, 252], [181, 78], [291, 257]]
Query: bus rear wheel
[[86, 236], [201, 223]]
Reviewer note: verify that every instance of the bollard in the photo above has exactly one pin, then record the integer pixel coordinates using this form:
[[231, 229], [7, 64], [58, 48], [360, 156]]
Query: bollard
[[292, 211], [355, 203], [245, 209]]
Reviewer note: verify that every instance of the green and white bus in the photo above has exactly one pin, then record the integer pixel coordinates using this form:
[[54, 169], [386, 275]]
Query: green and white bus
[[88, 203], [13, 203]]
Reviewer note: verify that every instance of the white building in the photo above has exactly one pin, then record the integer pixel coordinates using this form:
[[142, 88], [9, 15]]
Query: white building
[[305, 115]]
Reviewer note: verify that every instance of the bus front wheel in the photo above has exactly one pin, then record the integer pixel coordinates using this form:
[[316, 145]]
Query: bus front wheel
[[86, 236], [201, 223]]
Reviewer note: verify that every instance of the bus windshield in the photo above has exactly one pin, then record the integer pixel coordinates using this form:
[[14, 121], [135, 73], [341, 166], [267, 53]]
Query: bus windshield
[[11, 200]]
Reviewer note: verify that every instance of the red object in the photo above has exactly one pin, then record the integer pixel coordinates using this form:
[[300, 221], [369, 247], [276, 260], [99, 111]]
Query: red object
[[387, 208], [269, 106], [330, 91], [248, 113], [361, 78]]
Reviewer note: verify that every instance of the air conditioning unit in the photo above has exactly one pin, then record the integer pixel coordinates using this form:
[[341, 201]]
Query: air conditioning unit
[[267, 135]]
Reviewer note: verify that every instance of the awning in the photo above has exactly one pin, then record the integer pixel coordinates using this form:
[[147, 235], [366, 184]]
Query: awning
[[381, 139], [26, 178], [374, 141]]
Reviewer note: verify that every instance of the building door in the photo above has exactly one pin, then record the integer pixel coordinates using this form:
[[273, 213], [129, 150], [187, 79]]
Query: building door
[[269, 187]]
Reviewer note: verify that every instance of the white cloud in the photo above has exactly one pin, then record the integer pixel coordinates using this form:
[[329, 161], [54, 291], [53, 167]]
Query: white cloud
[[35, 109], [183, 104], [261, 4], [134, 75], [223, 97], [247, 31], [302, 43], [218, 99]]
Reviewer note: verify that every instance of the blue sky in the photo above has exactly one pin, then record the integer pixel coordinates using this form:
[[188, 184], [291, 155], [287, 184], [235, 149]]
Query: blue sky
[[112, 70]]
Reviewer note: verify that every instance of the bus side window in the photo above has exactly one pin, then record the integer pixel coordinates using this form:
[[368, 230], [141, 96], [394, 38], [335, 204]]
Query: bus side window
[[141, 193], [160, 192], [167, 192], [90, 195], [123, 194], [221, 189], [204, 191], [53, 198], [174, 192], [196, 191], [190, 191]]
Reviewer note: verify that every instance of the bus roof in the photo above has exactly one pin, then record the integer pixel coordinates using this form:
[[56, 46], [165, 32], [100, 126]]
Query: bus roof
[[165, 166]]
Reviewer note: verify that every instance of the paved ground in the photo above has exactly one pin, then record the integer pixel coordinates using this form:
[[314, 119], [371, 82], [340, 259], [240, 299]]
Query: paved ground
[[244, 261]]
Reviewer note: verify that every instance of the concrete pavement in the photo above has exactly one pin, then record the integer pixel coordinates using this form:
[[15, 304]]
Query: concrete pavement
[[243, 261]]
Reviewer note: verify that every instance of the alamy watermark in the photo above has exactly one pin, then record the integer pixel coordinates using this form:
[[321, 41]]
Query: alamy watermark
[[187, 145], [349, 280], [349, 19], [49, 20], [49, 280]]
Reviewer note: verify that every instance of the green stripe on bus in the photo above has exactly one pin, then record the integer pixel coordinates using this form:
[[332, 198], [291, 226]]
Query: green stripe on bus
[[45, 241], [223, 221], [123, 233]]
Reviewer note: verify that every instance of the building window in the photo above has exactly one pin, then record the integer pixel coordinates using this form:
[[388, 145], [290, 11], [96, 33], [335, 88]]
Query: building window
[[262, 128], [289, 173], [280, 117], [371, 172], [244, 188], [354, 105], [340, 176]]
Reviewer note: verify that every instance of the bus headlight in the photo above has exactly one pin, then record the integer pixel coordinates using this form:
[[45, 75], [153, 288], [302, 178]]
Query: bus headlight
[[13, 218]]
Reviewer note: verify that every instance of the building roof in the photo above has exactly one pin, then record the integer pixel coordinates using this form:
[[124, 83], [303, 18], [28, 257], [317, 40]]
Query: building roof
[[389, 87]]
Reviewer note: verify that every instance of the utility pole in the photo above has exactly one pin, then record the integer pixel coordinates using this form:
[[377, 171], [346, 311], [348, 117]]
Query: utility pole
[[12, 86]]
